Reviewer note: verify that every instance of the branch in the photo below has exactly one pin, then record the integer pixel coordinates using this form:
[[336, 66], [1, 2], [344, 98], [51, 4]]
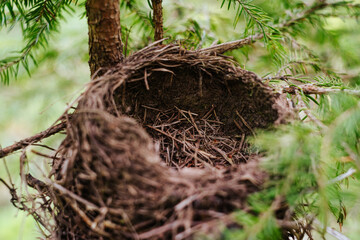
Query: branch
[[302, 106], [341, 177], [31, 140], [224, 47], [320, 5], [38, 21], [331, 231], [311, 89], [158, 19], [302, 16]]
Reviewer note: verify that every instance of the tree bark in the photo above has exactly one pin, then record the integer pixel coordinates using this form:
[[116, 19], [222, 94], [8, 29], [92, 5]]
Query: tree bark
[[105, 45], [158, 19]]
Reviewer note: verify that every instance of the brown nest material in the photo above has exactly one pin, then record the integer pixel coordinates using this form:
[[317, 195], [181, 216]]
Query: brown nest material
[[113, 182], [189, 102]]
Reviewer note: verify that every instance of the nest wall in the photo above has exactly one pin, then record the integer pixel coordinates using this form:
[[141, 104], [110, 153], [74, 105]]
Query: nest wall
[[121, 183]]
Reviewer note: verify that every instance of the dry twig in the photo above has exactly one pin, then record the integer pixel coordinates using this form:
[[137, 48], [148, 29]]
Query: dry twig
[[311, 89], [31, 140]]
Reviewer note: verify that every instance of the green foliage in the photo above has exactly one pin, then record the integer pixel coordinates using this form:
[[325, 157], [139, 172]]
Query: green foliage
[[281, 29], [303, 42], [38, 19], [308, 166], [30, 105], [254, 228], [135, 18], [254, 16]]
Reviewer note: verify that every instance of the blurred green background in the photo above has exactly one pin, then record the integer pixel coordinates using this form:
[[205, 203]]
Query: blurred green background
[[31, 104]]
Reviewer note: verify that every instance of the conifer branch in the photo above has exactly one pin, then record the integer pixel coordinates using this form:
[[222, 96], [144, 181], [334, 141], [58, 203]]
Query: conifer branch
[[302, 107], [228, 46], [304, 15], [141, 17], [317, 6], [38, 20]]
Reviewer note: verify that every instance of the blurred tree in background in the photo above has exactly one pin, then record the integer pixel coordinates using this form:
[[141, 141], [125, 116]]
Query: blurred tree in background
[[303, 47]]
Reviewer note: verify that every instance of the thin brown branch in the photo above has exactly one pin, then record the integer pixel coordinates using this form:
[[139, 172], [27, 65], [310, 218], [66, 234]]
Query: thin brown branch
[[311, 89], [65, 192], [158, 19], [30, 140], [228, 46], [317, 6], [302, 16], [35, 183]]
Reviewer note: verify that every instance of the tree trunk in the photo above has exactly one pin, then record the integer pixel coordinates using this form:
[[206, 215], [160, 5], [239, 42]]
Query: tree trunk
[[105, 45], [158, 19]]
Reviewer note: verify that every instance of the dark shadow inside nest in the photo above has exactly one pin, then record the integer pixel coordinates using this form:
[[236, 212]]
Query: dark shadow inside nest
[[198, 116]]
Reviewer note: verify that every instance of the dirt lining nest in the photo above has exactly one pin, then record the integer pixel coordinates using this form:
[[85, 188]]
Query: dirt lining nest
[[111, 182]]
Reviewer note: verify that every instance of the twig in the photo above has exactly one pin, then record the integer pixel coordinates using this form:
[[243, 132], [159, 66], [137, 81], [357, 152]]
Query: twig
[[302, 106], [159, 230], [350, 172], [244, 122], [87, 220], [311, 89], [228, 46], [71, 195], [302, 16], [331, 231], [35, 183], [352, 154], [320, 5], [30, 140]]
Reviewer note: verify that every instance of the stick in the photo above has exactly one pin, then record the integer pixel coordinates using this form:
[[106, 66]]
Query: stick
[[311, 89], [224, 47], [30, 140], [303, 107]]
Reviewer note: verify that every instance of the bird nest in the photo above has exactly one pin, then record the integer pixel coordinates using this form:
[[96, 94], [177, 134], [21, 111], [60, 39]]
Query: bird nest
[[156, 149]]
